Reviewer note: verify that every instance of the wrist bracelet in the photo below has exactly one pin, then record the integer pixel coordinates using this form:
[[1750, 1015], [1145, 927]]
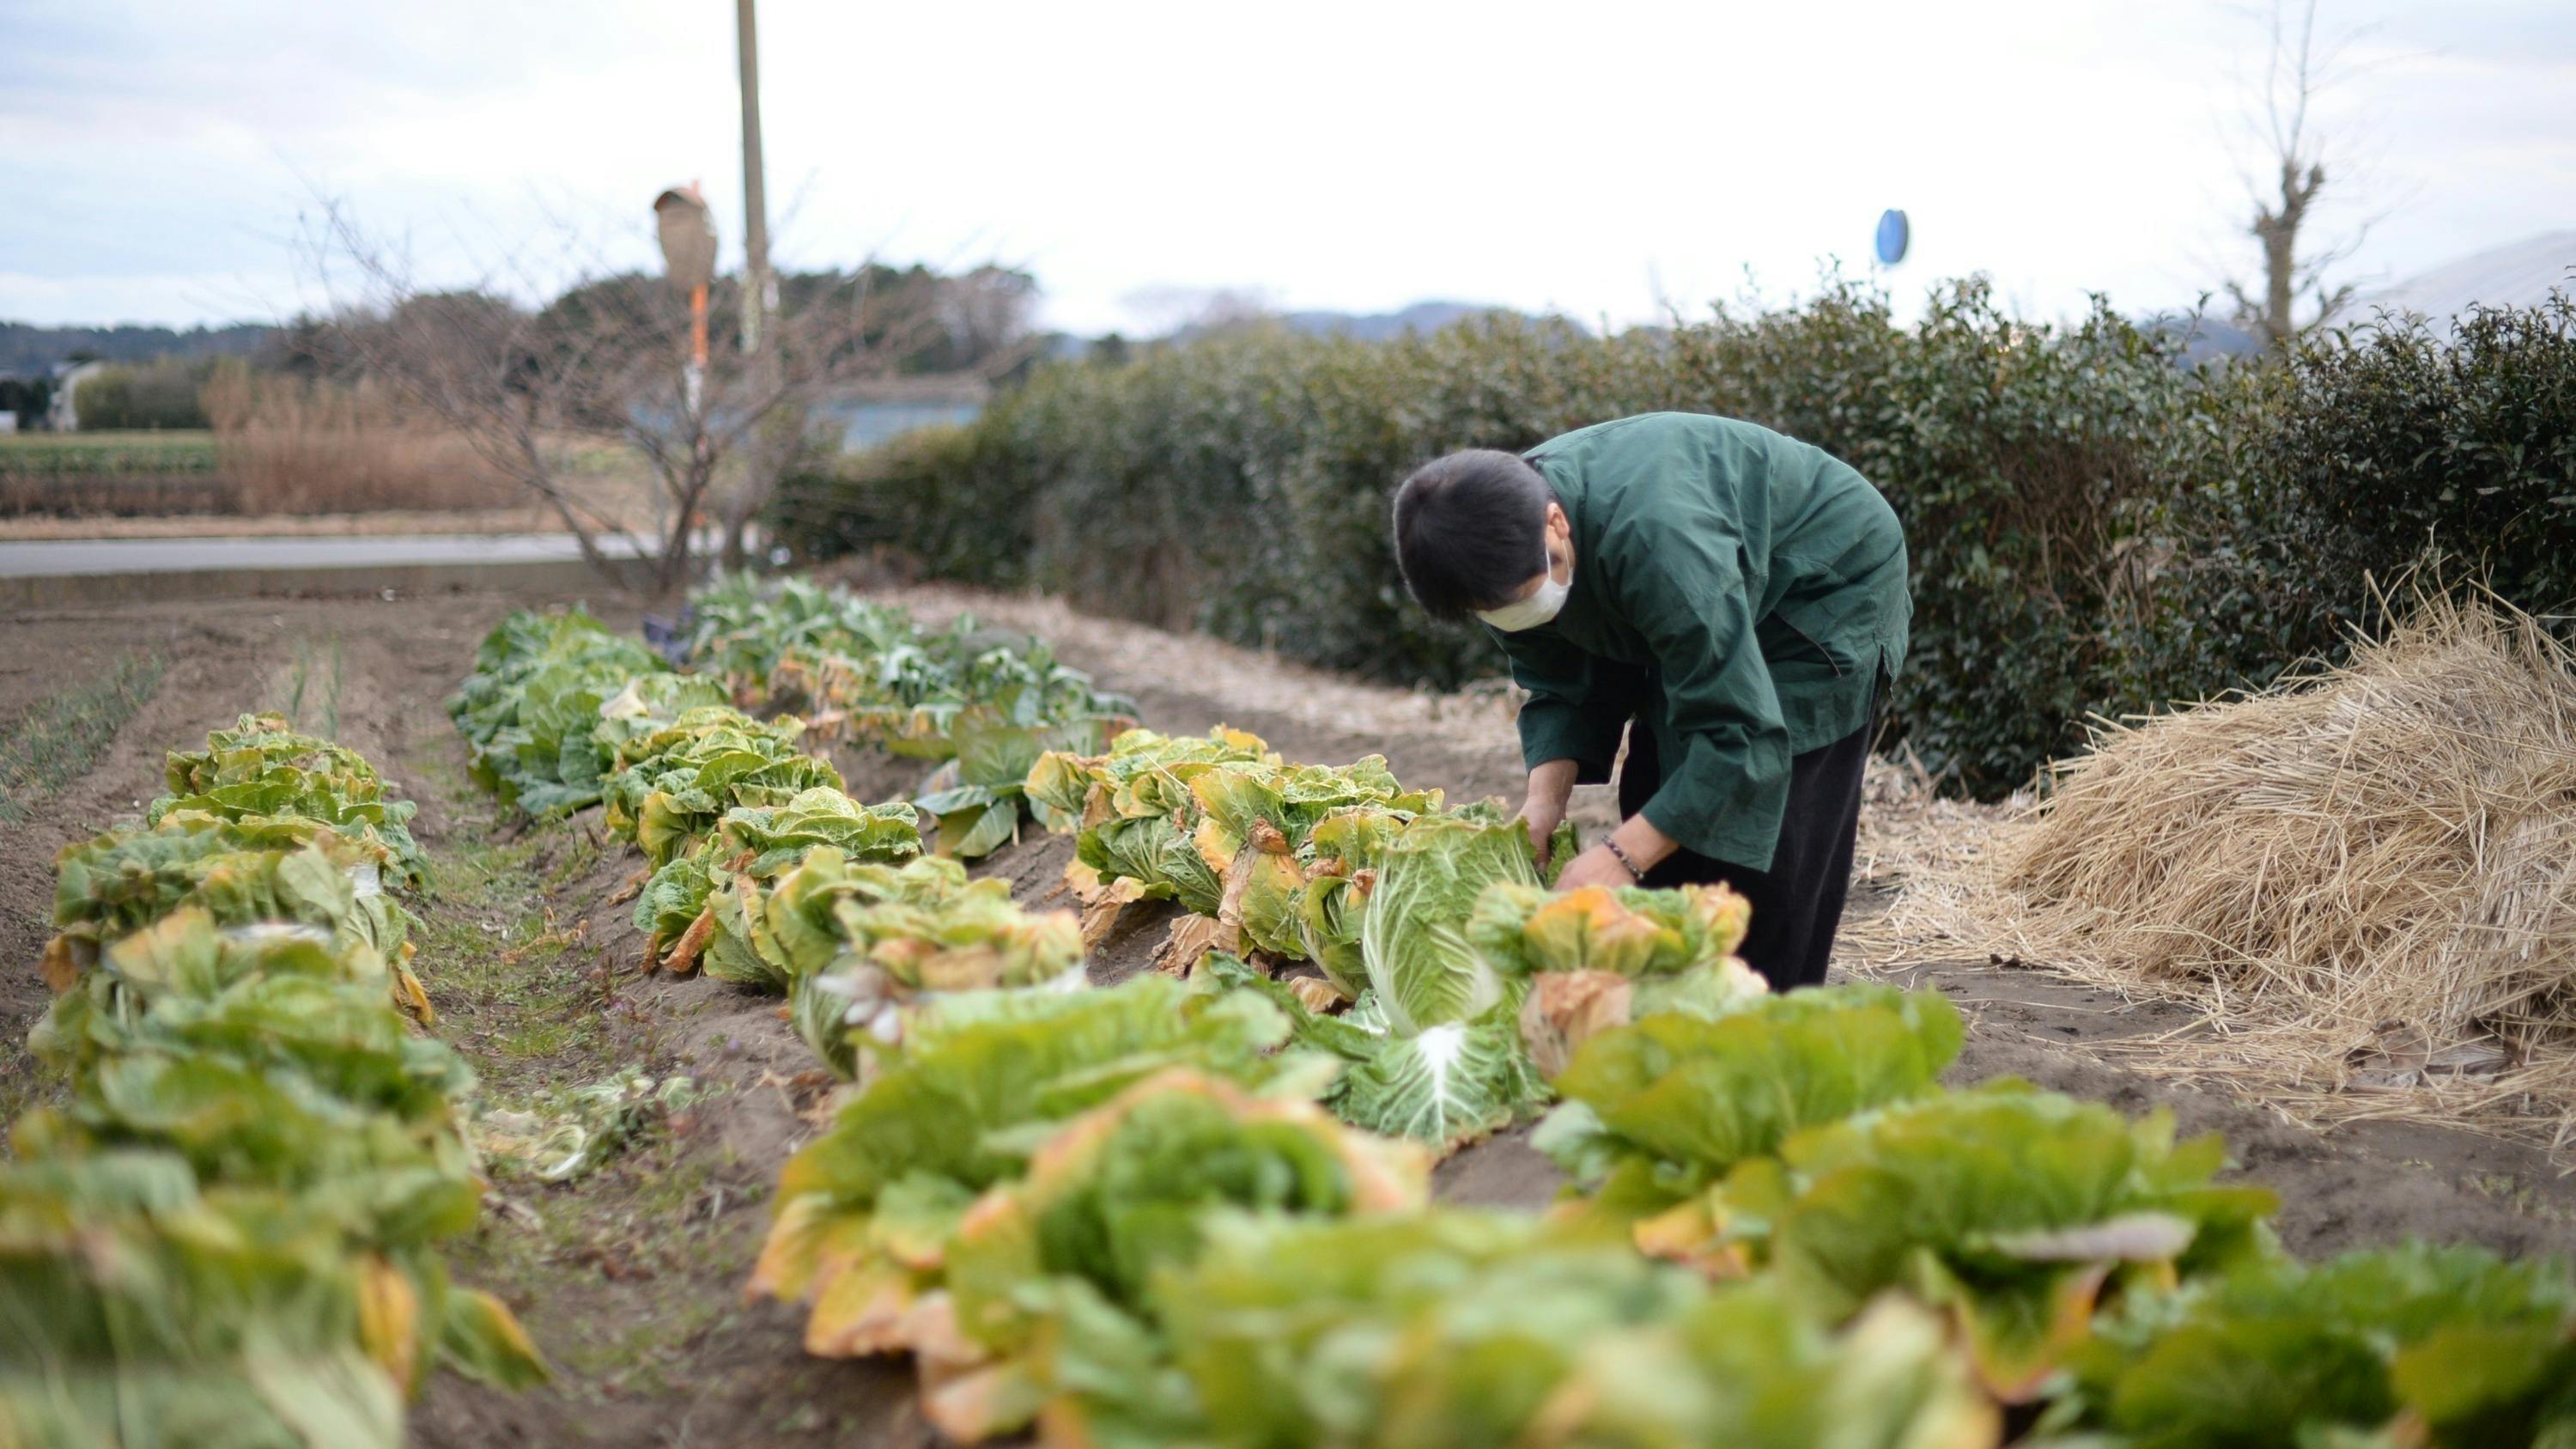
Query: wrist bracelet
[[1621, 856]]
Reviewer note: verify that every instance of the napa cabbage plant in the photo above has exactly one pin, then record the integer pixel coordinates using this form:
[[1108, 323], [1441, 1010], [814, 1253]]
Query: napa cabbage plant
[[2418, 1344], [862, 947], [1133, 812], [1595, 958], [868, 1210], [261, 769], [2011, 1211], [1461, 1328], [267, 1061], [143, 1310], [259, 873], [978, 796], [488, 708], [758, 843], [1222, 827], [673, 785], [1656, 1111], [574, 720], [1432, 1040], [1443, 1086], [1116, 1197]]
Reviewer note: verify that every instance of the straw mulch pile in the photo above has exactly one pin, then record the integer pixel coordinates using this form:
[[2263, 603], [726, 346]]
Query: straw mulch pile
[[2364, 879]]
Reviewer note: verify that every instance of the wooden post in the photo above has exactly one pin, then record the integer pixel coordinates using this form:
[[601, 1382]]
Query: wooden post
[[698, 365]]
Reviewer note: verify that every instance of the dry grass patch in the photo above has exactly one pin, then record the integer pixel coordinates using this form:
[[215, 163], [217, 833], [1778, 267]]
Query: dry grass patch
[[2363, 879]]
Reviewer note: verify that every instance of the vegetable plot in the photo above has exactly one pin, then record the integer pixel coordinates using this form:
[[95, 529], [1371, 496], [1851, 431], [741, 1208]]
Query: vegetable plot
[[1185, 1210], [229, 1231]]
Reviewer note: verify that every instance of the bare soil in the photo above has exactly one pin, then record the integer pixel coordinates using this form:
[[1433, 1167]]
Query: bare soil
[[630, 1277]]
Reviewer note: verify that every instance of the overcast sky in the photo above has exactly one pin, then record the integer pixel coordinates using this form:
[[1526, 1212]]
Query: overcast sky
[[1597, 158]]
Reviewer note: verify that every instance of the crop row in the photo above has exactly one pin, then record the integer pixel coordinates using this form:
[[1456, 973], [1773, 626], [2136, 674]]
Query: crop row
[[1194, 1208], [228, 1231], [90, 455]]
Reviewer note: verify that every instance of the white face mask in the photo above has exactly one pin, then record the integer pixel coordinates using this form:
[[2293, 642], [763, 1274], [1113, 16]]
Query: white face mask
[[1538, 608]]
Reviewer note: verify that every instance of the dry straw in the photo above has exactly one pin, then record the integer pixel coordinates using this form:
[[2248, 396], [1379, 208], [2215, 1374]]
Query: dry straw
[[2364, 879]]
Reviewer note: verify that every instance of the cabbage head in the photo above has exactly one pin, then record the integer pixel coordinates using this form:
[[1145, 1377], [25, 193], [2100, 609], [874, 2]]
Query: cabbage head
[[1413, 940]]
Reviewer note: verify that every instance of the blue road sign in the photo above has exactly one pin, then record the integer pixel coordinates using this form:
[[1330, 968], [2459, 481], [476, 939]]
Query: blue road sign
[[1894, 234]]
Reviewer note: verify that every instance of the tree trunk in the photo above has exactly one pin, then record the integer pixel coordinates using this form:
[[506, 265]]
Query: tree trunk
[[2278, 231], [671, 570], [737, 522]]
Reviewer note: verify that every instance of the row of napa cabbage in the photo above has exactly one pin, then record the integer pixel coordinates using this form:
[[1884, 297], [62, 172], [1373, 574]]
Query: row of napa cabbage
[[763, 871], [1801, 1142], [979, 703], [1463, 977], [229, 1230], [1118, 1213], [987, 1064]]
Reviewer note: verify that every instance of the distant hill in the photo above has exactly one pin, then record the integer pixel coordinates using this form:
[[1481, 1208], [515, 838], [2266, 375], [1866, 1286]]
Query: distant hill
[[1380, 326], [2204, 339], [2521, 274], [26, 349], [1365, 326]]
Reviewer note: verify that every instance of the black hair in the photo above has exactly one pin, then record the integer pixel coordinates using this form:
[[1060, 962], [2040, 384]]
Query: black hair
[[1470, 529]]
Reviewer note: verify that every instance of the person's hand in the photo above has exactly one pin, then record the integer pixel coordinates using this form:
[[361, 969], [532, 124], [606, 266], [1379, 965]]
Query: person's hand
[[1543, 817], [1595, 867], [1550, 786]]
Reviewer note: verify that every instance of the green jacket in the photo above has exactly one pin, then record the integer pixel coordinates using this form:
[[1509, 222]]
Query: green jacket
[[1740, 591]]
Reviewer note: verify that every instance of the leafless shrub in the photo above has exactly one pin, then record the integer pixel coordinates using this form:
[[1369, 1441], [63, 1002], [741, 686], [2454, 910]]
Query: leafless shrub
[[524, 390]]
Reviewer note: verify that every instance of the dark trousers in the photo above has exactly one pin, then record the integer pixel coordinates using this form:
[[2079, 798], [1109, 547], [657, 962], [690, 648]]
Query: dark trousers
[[1798, 902]]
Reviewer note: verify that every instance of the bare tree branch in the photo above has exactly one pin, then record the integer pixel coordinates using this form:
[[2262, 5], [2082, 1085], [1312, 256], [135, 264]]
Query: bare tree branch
[[527, 387], [2297, 68]]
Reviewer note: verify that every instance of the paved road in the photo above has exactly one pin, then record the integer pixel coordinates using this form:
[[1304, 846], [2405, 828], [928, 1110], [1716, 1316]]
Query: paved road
[[56, 558]]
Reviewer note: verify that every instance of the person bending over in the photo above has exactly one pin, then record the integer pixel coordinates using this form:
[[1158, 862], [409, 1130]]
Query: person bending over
[[1730, 601]]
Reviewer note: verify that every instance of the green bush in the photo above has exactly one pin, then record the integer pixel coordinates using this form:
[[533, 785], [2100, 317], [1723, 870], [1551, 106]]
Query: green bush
[[2093, 526], [136, 396]]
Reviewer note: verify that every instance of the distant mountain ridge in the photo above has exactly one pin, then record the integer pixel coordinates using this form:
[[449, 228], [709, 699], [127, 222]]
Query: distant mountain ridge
[[27, 349], [2518, 274], [1381, 326]]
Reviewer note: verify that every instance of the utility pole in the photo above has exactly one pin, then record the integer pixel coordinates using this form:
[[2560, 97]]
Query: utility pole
[[757, 288], [769, 450]]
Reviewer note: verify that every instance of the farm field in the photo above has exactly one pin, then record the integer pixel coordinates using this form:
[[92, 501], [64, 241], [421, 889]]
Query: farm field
[[630, 1278], [196, 483], [189, 450]]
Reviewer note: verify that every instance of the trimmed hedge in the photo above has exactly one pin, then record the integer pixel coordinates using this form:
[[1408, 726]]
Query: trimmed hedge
[[2094, 527]]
